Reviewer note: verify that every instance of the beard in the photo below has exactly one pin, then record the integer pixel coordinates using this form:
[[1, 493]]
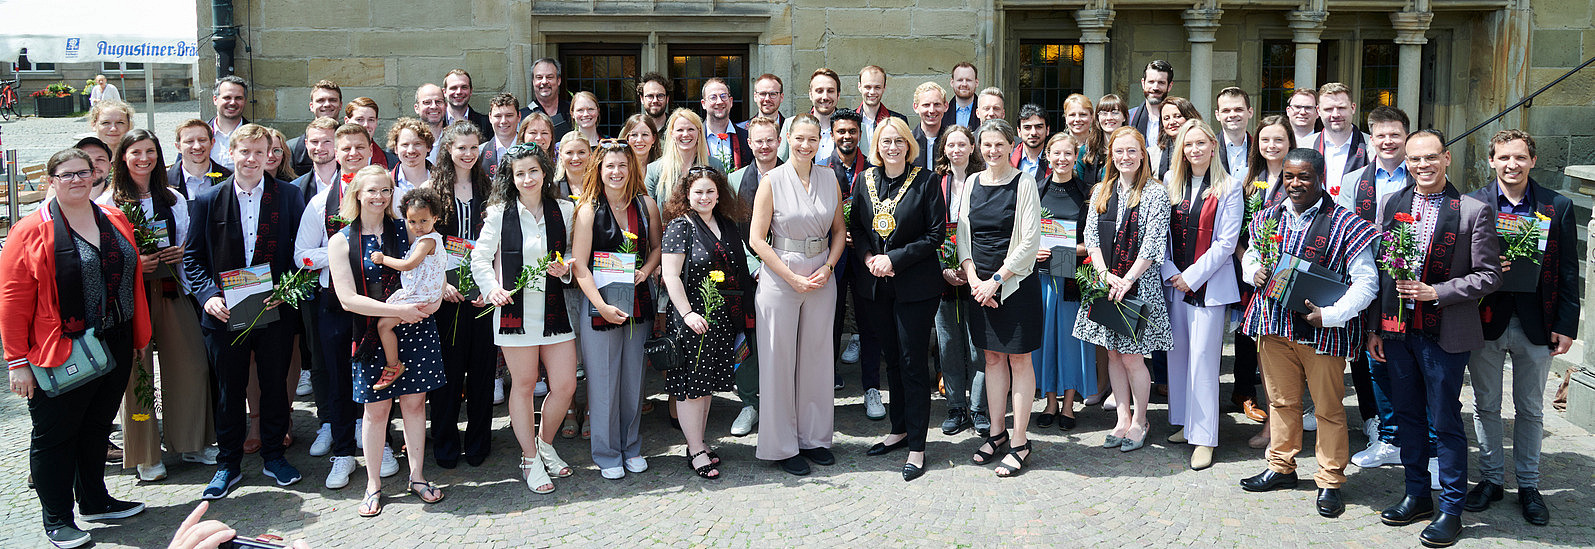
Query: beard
[[656, 113]]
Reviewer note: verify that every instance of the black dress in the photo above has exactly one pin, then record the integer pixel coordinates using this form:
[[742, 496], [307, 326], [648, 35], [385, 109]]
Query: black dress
[[1014, 325], [709, 364]]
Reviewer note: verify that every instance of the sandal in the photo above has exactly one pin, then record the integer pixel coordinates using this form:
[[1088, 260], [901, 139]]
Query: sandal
[[252, 444], [1005, 470], [587, 426], [555, 467], [704, 471], [390, 374], [536, 476], [996, 442], [714, 459], [373, 502], [426, 488], [567, 429]]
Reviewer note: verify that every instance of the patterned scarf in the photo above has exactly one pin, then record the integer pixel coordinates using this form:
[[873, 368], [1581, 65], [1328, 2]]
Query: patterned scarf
[[1356, 160], [512, 316], [607, 237], [334, 203], [366, 343], [1436, 264], [1124, 242], [1366, 201], [69, 271], [227, 252], [1193, 233]]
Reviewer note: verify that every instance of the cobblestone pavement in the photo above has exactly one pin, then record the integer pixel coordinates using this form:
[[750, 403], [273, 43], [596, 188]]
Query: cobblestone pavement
[[1075, 493], [35, 139]]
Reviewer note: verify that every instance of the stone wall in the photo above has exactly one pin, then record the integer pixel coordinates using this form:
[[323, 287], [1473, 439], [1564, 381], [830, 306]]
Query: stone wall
[[1563, 118]]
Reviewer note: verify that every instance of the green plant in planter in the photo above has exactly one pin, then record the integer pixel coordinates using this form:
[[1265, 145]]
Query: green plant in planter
[[88, 86]]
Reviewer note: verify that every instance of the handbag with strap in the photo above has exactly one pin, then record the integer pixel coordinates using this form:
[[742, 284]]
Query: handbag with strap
[[664, 351], [90, 359]]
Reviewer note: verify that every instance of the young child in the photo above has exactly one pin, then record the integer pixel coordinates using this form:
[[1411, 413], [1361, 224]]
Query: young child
[[421, 274]]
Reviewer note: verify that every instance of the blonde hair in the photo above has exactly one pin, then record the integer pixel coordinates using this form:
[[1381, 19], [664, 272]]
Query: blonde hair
[[1179, 174], [568, 139], [107, 105], [928, 87], [902, 131], [349, 207], [1110, 183], [671, 164]]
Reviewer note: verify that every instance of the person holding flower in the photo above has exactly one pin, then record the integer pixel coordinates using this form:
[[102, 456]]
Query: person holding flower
[[160, 219], [1274, 139], [1427, 323], [706, 275], [1065, 365], [528, 227], [1307, 350], [616, 220], [963, 370]]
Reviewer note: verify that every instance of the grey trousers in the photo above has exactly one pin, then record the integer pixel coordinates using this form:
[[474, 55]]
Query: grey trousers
[[614, 362], [963, 370], [1530, 364]]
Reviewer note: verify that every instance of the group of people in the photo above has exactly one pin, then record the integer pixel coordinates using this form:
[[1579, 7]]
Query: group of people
[[1040, 262]]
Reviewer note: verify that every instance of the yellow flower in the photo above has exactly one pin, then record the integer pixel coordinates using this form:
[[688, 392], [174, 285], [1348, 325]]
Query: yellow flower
[[141, 417], [575, 198], [1541, 216], [214, 174], [717, 276], [558, 258], [1260, 184], [629, 235]]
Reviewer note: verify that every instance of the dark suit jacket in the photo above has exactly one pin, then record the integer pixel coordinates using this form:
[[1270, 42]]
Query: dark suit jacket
[[1137, 120], [206, 276], [927, 157], [950, 117], [561, 118], [846, 173], [174, 177], [298, 157], [1043, 169], [921, 228], [1223, 151], [741, 152], [479, 120], [1563, 297], [1475, 270], [780, 119]]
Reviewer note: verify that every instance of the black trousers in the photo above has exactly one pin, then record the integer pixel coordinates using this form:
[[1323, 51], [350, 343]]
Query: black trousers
[[869, 357], [469, 362], [66, 453], [1247, 376], [905, 329], [335, 401], [270, 346]]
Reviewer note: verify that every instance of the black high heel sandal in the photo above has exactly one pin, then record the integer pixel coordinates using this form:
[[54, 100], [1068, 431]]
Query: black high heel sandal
[[996, 442], [1005, 471], [704, 471]]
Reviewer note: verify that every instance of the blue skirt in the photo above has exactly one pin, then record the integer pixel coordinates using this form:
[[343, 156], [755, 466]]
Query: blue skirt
[[1063, 362], [422, 355]]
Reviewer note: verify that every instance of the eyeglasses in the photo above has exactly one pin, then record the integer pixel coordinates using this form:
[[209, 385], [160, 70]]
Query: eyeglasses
[[767, 94], [1423, 160], [70, 176], [655, 97], [1302, 107]]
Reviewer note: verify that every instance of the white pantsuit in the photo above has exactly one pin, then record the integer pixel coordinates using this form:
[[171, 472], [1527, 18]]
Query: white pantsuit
[[1199, 331]]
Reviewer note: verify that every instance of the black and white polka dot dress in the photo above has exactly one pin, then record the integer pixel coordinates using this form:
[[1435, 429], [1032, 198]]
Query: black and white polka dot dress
[[419, 349], [710, 369]]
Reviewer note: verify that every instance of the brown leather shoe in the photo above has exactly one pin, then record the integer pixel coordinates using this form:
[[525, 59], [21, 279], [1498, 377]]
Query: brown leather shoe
[[1253, 412], [113, 454]]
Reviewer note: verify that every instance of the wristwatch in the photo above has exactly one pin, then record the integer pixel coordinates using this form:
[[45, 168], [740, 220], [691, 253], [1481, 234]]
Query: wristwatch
[[996, 277]]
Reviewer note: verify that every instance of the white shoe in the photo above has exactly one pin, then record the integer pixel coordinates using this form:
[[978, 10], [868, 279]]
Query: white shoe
[[1110, 404], [636, 464], [152, 473], [745, 421], [390, 466], [850, 355], [304, 387], [539, 390], [536, 475], [611, 473], [1379, 453], [873, 408], [1434, 473], [359, 441], [557, 468], [203, 457], [1309, 422], [1370, 428], [342, 467], [498, 390], [323, 443]]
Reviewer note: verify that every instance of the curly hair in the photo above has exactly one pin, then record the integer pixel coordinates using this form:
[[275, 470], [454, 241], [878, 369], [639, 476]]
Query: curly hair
[[726, 205], [444, 175], [504, 189]]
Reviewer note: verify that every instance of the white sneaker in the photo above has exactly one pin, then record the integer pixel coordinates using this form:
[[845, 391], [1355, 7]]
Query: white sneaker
[[498, 390], [540, 389], [323, 443], [1309, 422], [359, 441], [390, 466], [1434, 473], [636, 464], [745, 421], [1379, 453], [850, 355], [152, 473], [1110, 404], [613, 473], [304, 387], [203, 457], [873, 408], [342, 467], [1370, 428]]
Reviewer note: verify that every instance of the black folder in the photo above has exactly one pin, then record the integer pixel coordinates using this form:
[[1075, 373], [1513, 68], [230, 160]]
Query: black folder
[[1123, 317], [1323, 286]]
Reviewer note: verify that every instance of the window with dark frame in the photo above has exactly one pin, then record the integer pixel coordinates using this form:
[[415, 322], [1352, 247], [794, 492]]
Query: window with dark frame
[[1380, 62], [1049, 71], [693, 64], [608, 71], [117, 67], [1279, 76], [24, 65]]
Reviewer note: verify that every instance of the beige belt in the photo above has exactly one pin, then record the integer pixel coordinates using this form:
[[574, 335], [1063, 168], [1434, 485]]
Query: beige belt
[[809, 247]]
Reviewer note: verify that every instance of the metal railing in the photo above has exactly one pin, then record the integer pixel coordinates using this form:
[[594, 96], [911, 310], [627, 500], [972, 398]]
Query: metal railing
[[1525, 102]]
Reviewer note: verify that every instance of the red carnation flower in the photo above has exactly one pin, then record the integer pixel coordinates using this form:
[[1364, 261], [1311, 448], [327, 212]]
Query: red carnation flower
[[306, 262], [1278, 238], [1404, 218], [1334, 191], [348, 177], [1087, 260]]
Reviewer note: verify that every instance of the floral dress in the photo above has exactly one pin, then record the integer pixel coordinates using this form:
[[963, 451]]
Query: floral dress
[[1154, 333]]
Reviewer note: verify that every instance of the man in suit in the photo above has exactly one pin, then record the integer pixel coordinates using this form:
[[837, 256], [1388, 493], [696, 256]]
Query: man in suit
[[871, 88], [1532, 326], [653, 92], [1426, 328], [768, 90], [229, 96], [824, 90], [504, 113], [1344, 146], [764, 136], [930, 103], [1302, 111], [721, 136], [1294, 347], [457, 91], [547, 75], [322, 149], [1234, 115], [862, 347], [1029, 157], [248, 220], [964, 81], [1156, 82], [846, 126], [194, 171], [326, 99]]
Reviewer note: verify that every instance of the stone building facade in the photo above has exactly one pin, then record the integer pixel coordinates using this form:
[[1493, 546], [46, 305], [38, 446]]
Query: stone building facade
[[1450, 63]]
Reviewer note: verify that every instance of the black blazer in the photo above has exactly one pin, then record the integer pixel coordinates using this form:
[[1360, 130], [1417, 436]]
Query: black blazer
[[846, 173], [926, 158], [561, 116], [1498, 308], [1137, 120], [1223, 151], [921, 228], [174, 177], [203, 232], [298, 157]]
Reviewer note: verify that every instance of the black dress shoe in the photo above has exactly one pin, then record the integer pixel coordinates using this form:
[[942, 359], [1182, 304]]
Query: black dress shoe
[[1443, 532], [1329, 503], [1269, 480], [1534, 509], [795, 465], [1481, 495], [911, 472], [1408, 511], [1065, 422], [448, 463], [475, 461], [820, 456], [881, 448], [1044, 419]]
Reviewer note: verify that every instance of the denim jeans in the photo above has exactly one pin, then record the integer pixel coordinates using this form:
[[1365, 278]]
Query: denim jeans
[[963, 370], [1428, 379]]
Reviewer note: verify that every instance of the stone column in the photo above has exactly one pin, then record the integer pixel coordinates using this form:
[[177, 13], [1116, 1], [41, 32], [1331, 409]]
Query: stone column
[[1307, 26], [1094, 25], [1202, 25], [1410, 26]]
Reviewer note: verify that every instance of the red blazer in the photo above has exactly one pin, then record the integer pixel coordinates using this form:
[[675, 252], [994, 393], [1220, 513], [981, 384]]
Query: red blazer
[[30, 318]]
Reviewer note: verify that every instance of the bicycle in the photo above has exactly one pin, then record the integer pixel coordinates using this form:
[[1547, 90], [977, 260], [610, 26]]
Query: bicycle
[[8, 99]]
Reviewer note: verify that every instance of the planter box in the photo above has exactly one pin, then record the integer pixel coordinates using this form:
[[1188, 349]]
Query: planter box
[[54, 107]]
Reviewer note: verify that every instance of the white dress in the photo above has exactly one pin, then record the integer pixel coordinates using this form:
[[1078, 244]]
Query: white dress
[[485, 269], [424, 284]]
